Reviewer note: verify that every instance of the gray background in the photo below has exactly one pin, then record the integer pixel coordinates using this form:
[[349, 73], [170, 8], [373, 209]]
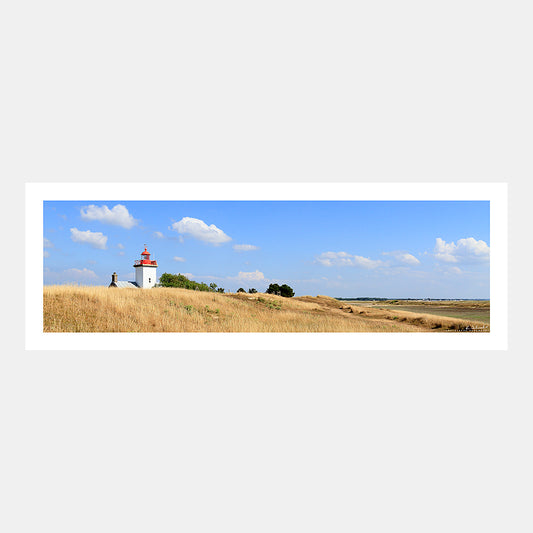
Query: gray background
[[259, 441]]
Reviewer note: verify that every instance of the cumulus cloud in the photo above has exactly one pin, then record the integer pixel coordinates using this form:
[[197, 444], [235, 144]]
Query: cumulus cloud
[[93, 238], [203, 277], [77, 273], [346, 259], [243, 277], [245, 247], [467, 250], [403, 257], [198, 229], [71, 275], [47, 244], [117, 216], [251, 276], [179, 259], [334, 258]]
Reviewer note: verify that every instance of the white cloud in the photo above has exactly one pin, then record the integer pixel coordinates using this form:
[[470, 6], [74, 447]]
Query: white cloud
[[334, 258], [76, 273], [202, 277], [117, 216], [93, 238], [403, 257], [467, 250], [346, 259], [241, 277], [158, 235], [121, 246], [245, 247], [179, 259], [70, 275], [47, 244], [251, 276], [198, 229], [367, 263]]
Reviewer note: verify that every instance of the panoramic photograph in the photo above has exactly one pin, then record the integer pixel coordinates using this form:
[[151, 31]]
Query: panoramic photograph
[[266, 266]]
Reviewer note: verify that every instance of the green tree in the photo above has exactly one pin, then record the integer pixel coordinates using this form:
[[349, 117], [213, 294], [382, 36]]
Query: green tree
[[252, 290], [240, 289], [167, 280], [182, 282], [274, 288], [286, 291]]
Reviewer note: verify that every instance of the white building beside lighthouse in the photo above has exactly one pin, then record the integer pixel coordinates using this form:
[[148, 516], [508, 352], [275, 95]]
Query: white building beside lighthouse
[[145, 274]]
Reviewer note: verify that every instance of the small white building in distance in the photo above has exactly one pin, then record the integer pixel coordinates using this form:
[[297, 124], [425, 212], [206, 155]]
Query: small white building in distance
[[145, 274]]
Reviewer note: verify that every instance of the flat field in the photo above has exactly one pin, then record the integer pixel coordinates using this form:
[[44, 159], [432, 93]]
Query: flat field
[[100, 309], [478, 310]]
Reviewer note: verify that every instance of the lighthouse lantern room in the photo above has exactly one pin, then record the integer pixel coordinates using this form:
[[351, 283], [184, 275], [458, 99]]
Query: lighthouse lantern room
[[145, 270]]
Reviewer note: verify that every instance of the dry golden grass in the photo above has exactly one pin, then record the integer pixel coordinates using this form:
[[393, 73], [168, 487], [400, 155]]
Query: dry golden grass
[[99, 309]]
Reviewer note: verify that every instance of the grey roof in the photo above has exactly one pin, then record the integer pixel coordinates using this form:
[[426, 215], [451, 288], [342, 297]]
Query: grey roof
[[124, 284]]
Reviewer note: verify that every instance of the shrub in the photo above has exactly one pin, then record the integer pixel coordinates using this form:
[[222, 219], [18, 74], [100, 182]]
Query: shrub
[[284, 290], [274, 288], [182, 282]]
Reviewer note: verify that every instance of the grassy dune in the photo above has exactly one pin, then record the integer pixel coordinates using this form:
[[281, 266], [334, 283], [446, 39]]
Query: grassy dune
[[99, 309]]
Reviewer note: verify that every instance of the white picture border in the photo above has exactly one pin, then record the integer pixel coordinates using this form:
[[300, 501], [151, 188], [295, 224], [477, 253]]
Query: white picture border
[[37, 193]]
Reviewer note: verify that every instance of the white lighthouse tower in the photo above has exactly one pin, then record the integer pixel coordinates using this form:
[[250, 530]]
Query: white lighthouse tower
[[145, 271]]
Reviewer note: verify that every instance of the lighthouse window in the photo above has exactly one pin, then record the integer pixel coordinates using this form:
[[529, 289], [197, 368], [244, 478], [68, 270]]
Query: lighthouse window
[[149, 280]]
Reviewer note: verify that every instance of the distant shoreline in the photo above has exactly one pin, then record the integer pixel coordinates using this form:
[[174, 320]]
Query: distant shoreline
[[369, 299]]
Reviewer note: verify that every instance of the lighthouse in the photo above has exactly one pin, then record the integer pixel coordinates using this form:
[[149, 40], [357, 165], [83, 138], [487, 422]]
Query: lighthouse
[[145, 270]]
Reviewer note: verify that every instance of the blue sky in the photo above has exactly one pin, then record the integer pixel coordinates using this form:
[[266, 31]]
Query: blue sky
[[402, 249]]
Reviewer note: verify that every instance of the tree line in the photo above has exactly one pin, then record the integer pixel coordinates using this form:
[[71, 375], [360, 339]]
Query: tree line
[[183, 282]]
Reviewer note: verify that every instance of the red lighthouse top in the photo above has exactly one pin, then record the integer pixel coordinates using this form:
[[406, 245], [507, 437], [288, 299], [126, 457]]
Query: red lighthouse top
[[145, 259]]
